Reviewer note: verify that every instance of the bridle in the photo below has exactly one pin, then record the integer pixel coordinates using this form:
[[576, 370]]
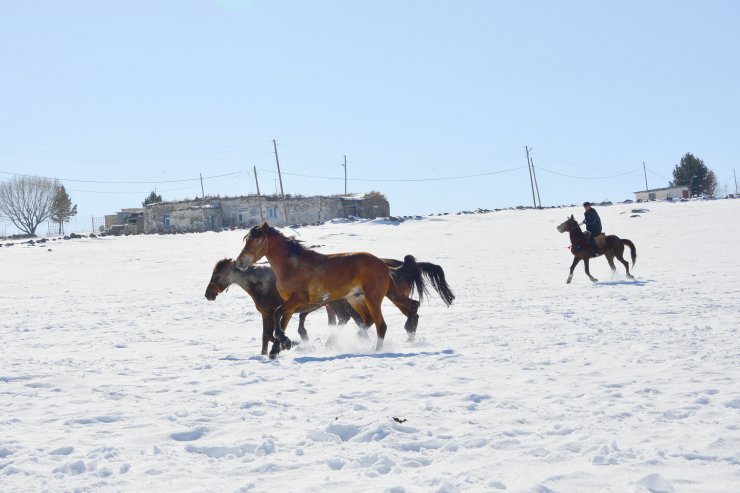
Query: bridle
[[254, 252]]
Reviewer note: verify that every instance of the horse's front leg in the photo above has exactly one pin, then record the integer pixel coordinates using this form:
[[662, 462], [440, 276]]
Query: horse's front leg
[[267, 326], [588, 273], [281, 318], [572, 266]]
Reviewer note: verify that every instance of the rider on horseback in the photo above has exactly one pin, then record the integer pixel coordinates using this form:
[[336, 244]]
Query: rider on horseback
[[593, 225]]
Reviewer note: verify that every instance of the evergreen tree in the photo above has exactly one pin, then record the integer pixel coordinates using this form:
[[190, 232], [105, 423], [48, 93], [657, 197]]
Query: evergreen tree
[[153, 198], [692, 172], [710, 185], [61, 208]]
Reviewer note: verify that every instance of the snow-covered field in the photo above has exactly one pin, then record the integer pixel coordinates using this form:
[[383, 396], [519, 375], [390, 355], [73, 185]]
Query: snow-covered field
[[116, 374]]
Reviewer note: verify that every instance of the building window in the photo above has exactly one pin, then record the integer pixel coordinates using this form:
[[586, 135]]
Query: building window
[[272, 213], [167, 221], [241, 216]]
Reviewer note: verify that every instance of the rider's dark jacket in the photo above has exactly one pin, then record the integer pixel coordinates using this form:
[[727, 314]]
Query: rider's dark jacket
[[593, 222]]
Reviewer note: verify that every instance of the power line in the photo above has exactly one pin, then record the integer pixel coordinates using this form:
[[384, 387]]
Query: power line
[[124, 182], [658, 175], [446, 178], [589, 177]]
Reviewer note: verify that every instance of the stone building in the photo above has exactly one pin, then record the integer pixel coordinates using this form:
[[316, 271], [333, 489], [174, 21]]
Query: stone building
[[241, 212]]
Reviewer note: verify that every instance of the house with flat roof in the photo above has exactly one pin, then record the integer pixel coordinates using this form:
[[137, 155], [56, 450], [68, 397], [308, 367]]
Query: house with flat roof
[[667, 193]]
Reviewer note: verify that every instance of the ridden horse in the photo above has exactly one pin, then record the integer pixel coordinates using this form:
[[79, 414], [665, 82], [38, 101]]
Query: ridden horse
[[307, 278], [259, 283], [581, 249]]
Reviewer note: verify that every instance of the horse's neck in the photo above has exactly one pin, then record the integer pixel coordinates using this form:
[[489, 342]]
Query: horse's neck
[[256, 279], [242, 278], [576, 235], [282, 261]]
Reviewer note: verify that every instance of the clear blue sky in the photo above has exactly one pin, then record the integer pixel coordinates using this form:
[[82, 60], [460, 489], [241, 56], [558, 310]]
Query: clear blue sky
[[448, 92]]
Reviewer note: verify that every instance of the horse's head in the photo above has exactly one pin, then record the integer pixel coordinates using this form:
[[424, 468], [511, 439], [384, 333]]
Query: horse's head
[[219, 279], [569, 224], [255, 246]]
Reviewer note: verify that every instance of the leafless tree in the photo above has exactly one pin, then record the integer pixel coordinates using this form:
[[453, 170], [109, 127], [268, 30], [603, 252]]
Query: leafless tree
[[27, 201]]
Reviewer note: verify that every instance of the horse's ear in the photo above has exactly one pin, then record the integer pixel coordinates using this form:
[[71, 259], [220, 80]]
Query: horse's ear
[[264, 226], [571, 216]]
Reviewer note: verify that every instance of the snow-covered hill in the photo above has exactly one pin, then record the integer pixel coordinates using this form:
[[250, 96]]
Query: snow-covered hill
[[117, 374]]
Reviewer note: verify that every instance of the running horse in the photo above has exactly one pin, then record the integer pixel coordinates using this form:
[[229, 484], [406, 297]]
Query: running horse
[[306, 278], [259, 283], [581, 249]]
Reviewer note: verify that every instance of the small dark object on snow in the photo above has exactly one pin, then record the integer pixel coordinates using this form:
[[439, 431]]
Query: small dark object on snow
[[399, 420]]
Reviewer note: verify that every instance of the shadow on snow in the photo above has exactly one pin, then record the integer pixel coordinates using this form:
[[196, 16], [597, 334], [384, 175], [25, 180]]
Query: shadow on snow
[[624, 282], [318, 359]]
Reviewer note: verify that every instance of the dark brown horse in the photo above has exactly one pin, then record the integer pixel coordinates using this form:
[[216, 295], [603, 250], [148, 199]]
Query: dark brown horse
[[581, 249], [259, 282], [307, 278]]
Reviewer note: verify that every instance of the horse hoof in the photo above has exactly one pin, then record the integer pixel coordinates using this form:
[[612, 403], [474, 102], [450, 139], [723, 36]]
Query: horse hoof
[[286, 343], [304, 336], [274, 350]]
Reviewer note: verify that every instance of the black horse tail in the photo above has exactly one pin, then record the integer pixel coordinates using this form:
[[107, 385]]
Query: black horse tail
[[634, 250], [408, 274], [435, 275]]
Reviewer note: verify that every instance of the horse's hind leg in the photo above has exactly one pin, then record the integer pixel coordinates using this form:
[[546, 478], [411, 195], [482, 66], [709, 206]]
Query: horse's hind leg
[[409, 307], [373, 302], [610, 259], [626, 265], [302, 327], [362, 316]]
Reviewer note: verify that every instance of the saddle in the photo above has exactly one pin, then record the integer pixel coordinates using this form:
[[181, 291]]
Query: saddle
[[599, 245]]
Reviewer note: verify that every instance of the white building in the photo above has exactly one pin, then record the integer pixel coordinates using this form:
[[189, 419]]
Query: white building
[[669, 193]]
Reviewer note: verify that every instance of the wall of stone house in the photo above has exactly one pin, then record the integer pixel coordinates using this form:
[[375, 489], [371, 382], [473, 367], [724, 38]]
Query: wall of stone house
[[301, 210], [184, 217], [373, 206], [307, 210], [192, 216]]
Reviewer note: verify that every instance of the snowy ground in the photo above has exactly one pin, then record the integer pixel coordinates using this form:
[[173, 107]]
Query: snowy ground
[[117, 374]]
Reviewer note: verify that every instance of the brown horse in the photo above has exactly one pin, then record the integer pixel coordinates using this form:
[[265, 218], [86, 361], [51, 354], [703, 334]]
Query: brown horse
[[308, 278], [581, 249], [259, 282]]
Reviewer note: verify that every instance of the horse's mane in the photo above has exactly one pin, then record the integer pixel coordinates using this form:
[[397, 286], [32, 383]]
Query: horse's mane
[[295, 247], [222, 263]]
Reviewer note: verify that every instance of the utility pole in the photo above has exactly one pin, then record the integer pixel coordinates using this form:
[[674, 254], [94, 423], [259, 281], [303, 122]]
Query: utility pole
[[202, 193], [733, 174], [531, 161], [280, 177], [645, 172], [531, 183], [259, 196], [345, 174]]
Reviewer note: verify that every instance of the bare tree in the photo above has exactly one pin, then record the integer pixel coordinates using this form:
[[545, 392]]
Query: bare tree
[[27, 201]]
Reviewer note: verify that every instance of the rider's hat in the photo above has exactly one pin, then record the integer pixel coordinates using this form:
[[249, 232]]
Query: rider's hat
[[587, 204]]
